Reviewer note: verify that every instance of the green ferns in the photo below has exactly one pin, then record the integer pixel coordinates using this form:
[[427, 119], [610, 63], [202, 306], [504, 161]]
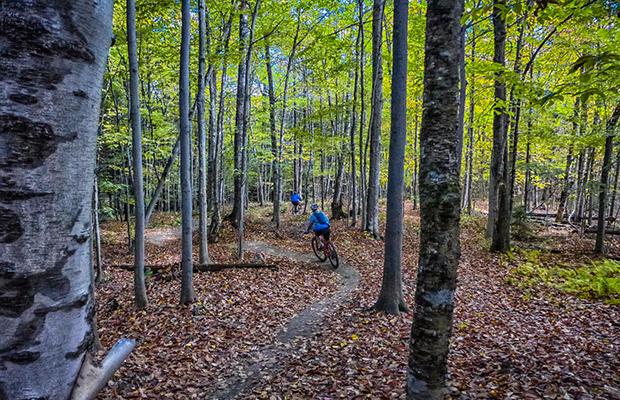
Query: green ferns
[[599, 280]]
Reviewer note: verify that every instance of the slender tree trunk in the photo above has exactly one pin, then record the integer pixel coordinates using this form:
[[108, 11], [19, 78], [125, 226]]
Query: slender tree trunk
[[202, 140], [240, 106], [362, 56], [391, 299], [274, 141], [462, 96], [565, 186], [48, 130], [498, 222], [528, 174], [604, 182], [216, 218], [467, 198], [140, 299], [589, 177], [372, 196], [187, 287], [439, 201], [612, 205], [162, 180], [97, 232], [244, 120]]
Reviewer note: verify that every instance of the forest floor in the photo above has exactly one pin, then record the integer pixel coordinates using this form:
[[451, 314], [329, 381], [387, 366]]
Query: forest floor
[[305, 331]]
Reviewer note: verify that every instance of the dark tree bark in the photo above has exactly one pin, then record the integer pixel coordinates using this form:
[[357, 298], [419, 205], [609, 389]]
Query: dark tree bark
[[604, 182], [187, 287], [559, 216], [202, 139], [97, 233], [53, 59], [391, 299], [136, 147], [439, 202], [612, 205], [499, 218], [372, 196], [239, 115]]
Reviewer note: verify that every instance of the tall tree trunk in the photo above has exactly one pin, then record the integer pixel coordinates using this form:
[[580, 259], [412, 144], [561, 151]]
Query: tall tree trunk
[[604, 182], [467, 197], [372, 196], [391, 299], [240, 106], [216, 218], [559, 216], [462, 96], [498, 223], [612, 205], [245, 121], [48, 130], [97, 232], [362, 130], [352, 137], [202, 140], [274, 141], [140, 299], [187, 287], [439, 201], [515, 105]]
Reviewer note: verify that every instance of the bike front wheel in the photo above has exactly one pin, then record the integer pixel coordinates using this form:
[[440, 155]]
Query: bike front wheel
[[332, 254], [316, 247]]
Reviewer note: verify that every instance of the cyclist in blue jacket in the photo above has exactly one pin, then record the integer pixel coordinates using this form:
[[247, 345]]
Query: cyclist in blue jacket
[[318, 222], [296, 201]]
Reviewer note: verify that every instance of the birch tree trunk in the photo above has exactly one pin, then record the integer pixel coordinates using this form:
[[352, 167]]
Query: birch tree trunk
[[187, 287], [439, 204], [391, 299], [53, 59]]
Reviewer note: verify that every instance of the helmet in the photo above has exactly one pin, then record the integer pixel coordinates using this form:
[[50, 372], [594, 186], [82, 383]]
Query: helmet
[[314, 207]]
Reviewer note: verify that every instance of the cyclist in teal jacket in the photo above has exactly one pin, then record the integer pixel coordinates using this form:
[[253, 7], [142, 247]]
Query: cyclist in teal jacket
[[318, 222]]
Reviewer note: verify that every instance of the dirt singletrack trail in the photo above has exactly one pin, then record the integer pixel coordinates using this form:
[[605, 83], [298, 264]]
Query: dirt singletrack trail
[[269, 360]]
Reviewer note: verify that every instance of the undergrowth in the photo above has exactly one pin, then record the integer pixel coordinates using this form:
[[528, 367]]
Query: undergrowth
[[598, 280]]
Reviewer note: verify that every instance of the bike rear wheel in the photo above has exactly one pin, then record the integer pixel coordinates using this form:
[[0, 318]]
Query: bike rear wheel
[[332, 254], [318, 252]]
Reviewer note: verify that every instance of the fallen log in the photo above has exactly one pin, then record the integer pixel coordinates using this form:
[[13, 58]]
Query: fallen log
[[197, 267], [607, 232]]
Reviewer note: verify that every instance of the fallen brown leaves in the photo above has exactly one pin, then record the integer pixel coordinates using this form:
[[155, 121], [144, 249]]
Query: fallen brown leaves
[[550, 345]]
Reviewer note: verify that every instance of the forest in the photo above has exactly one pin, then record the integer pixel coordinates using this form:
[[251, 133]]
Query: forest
[[267, 199]]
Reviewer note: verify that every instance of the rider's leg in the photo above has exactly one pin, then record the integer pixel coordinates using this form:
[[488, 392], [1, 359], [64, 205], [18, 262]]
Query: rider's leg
[[319, 235]]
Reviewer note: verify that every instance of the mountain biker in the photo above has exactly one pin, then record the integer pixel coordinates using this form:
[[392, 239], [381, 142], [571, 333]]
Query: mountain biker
[[295, 200], [319, 222]]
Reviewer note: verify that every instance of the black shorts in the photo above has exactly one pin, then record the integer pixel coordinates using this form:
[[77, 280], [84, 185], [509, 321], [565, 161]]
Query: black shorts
[[295, 203], [324, 233]]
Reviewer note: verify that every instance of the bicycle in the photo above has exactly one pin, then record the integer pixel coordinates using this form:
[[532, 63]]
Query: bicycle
[[326, 251]]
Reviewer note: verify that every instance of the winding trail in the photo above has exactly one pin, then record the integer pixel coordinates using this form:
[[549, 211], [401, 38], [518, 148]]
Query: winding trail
[[267, 361]]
